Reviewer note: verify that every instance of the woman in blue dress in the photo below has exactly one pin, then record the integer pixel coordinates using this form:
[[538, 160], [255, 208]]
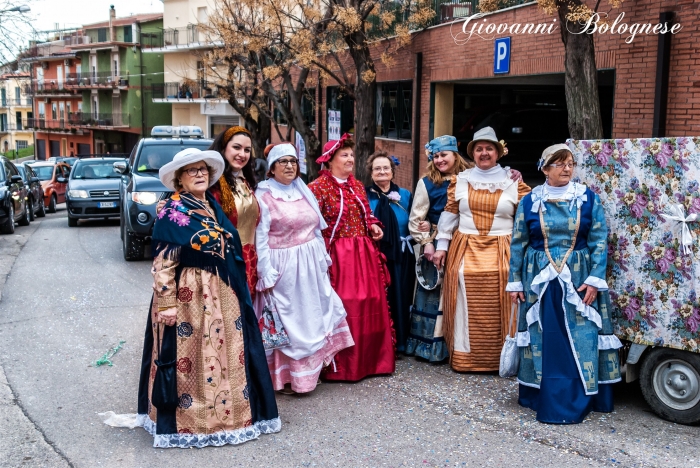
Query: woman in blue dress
[[391, 204], [568, 353]]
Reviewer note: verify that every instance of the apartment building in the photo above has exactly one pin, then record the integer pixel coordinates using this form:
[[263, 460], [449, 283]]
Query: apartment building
[[182, 43], [15, 108]]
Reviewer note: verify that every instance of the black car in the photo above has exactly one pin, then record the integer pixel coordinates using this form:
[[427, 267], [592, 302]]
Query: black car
[[141, 188], [14, 207], [36, 193], [93, 190]]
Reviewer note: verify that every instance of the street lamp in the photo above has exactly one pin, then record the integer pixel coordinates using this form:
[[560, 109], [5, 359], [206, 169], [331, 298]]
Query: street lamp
[[21, 9]]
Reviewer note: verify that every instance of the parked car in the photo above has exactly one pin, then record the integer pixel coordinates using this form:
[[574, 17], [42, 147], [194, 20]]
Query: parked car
[[93, 190], [54, 180], [35, 192], [141, 188], [14, 206]]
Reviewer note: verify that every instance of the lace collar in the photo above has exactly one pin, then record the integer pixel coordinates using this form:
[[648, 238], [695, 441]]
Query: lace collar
[[496, 178], [281, 191], [573, 191]]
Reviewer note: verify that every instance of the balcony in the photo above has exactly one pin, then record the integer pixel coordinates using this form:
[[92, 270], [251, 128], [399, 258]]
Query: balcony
[[188, 91], [12, 127], [26, 102], [175, 39], [95, 80], [42, 123], [109, 120], [47, 88]]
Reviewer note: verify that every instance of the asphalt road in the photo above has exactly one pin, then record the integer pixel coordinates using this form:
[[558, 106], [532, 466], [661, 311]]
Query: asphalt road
[[70, 297]]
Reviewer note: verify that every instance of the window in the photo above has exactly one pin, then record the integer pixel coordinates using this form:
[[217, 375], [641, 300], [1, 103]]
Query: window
[[17, 94], [18, 120], [102, 35], [127, 34], [42, 110], [308, 106], [394, 104], [21, 144], [54, 111], [115, 66], [3, 97], [3, 122]]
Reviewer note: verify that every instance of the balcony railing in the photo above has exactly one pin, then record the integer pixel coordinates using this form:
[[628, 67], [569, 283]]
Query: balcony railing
[[184, 91], [26, 102], [46, 87], [79, 119], [174, 37], [92, 79], [11, 127]]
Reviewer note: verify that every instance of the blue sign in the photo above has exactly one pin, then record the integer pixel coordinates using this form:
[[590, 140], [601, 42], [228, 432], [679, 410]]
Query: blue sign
[[501, 55]]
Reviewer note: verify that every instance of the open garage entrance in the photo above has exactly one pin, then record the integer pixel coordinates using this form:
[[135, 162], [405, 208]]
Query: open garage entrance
[[527, 112]]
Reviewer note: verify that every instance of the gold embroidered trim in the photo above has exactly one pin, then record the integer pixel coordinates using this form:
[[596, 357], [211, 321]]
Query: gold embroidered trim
[[559, 268]]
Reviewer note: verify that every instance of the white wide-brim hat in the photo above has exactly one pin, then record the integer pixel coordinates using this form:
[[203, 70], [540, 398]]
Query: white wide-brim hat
[[485, 134], [187, 157]]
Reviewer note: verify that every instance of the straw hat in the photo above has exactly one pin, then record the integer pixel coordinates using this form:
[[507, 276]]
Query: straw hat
[[187, 157], [485, 134]]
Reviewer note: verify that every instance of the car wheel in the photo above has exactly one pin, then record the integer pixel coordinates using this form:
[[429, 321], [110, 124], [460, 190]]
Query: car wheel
[[30, 205], [133, 246], [670, 381], [41, 212], [72, 222], [8, 227], [24, 220], [53, 203]]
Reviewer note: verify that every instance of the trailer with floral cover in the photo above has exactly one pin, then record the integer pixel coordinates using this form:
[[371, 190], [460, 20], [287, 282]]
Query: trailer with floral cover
[[651, 194]]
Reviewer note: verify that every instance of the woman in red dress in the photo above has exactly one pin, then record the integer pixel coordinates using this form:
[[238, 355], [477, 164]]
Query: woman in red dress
[[358, 272], [235, 193]]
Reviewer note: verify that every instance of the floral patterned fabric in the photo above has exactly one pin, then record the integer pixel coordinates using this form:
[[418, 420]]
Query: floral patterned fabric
[[653, 283]]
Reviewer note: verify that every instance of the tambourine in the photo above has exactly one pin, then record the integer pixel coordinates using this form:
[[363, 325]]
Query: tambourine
[[432, 273]]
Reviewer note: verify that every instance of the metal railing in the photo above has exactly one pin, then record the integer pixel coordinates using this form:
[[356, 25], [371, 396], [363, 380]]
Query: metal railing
[[17, 102], [174, 37], [46, 87], [79, 119], [11, 127], [88, 79], [184, 90]]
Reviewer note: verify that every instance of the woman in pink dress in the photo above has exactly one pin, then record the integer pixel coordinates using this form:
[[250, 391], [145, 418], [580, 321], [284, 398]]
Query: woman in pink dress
[[293, 275], [358, 272]]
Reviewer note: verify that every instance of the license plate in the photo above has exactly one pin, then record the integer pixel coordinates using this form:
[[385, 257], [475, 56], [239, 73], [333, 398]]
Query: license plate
[[107, 204]]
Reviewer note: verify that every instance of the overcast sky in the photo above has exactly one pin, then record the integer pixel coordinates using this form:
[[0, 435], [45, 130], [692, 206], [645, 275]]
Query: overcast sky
[[73, 13]]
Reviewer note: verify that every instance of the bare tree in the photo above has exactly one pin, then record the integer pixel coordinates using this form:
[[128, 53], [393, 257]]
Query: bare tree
[[16, 25]]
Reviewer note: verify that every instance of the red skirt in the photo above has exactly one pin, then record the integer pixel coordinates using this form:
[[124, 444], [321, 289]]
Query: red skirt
[[359, 278]]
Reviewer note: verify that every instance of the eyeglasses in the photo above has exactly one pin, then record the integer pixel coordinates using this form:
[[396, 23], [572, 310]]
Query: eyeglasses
[[287, 162], [381, 169], [192, 171], [567, 165]]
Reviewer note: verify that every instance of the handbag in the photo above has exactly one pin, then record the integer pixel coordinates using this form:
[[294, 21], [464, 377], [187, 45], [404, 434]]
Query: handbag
[[164, 393], [510, 356], [273, 333]]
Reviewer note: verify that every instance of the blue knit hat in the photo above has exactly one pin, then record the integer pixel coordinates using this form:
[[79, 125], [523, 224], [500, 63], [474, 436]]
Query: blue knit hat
[[442, 143]]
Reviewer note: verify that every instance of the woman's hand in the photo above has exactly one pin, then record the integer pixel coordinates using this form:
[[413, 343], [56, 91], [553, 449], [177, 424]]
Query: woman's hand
[[517, 295], [167, 316], [376, 232], [516, 175], [160, 206], [439, 258], [424, 226], [591, 293], [428, 252]]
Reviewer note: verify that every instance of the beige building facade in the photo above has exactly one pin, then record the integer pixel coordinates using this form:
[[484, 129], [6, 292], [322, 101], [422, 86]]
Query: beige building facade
[[15, 109], [183, 42]]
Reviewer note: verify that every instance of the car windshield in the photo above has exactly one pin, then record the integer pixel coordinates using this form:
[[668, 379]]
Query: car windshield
[[153, 157], [94, 170], [44, 172]]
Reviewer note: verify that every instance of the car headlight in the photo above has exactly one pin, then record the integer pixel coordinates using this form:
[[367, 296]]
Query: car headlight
[[77, 194], [144, 198]]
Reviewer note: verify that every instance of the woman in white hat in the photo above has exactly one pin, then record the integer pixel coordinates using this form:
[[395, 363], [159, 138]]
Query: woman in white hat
[[476, 225], [568, 352], [293, 276], [202, 331]]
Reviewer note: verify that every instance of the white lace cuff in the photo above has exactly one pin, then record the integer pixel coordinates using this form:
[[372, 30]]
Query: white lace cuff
[[443, 244], [268, 280], [608, 342], [515, 286], [601, 284], [523, 339]]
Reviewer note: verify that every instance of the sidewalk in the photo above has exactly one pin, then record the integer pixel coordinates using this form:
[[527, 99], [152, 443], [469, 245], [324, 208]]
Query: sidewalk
[[22, 443]]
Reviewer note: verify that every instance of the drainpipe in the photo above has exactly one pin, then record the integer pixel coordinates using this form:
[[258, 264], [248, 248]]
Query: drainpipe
[[416, 118], [663, 56]]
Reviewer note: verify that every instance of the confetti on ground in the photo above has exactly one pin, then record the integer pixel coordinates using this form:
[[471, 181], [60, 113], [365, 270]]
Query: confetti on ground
[[105, 359]]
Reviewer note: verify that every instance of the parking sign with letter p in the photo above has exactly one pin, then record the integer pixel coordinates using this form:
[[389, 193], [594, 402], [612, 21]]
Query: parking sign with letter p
[[501, 55]]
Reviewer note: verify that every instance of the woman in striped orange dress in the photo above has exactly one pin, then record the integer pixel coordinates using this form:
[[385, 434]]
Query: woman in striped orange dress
[[476, 225]]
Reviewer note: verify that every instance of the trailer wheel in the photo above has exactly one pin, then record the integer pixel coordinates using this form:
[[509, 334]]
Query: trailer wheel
[[670, 381]]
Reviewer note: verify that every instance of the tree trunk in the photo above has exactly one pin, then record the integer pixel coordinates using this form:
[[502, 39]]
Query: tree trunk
[[580, 81], [365, 95]]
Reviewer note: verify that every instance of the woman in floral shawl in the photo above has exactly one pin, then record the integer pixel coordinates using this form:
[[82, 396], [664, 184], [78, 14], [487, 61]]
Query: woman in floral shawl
[[568, 353], [202, 320]]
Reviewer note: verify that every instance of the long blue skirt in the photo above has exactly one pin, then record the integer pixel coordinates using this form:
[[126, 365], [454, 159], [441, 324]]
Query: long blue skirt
[[561, 398]]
